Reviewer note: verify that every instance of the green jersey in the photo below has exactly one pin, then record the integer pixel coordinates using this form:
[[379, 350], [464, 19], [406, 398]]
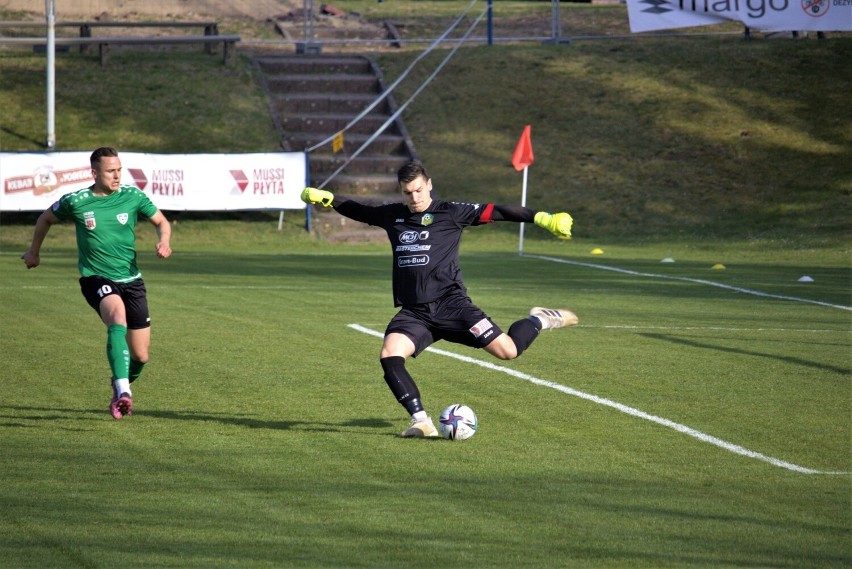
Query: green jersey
[[106, 230]]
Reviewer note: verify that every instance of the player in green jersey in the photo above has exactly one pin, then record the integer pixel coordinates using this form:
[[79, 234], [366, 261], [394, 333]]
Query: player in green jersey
[[105, 216]]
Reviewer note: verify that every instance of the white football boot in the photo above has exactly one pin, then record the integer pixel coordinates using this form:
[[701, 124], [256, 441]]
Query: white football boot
[[420, 429], [554, 317]]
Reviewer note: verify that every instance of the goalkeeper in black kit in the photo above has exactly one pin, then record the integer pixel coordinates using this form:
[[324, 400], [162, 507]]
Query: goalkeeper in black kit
[[425, 234]]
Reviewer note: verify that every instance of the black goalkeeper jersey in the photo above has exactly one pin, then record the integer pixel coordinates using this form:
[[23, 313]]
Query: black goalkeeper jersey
[[425, 245]]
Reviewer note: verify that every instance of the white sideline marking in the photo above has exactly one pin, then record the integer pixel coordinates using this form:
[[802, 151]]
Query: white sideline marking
[[736, 449], [711, 328], [690, 279]]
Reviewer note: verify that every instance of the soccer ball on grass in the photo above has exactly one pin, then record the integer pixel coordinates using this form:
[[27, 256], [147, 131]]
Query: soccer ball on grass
[[457, 422]]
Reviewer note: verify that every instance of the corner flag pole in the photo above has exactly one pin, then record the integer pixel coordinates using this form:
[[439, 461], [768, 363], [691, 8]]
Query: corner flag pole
[[524, 204], [521, 160]]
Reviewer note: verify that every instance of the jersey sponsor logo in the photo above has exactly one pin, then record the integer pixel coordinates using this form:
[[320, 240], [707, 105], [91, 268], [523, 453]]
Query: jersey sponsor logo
[[413, 247], [412, 261], [408, 237], [481, 327], [409, 241], [427, 219], [122, 218], [89, 219]]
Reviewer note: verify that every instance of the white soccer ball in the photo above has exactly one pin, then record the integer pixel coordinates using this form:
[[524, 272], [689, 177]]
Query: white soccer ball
[[457, 422]]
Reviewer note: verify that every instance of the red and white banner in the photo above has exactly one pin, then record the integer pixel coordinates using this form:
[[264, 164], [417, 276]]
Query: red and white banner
[[763, 15], [176, 182]]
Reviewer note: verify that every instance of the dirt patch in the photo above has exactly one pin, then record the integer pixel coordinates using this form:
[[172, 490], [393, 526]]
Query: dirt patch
[[258, 10], [329, 25]]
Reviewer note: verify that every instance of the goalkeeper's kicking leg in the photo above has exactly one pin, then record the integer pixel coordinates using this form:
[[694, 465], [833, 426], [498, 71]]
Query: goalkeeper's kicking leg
[[524, 332], [397, 348], [414, 337]]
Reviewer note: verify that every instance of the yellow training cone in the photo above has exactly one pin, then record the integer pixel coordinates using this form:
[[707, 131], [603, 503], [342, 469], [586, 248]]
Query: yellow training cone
[[597, 251], [718, 267]]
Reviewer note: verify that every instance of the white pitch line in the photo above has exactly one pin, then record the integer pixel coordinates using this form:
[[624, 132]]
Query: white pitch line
[[736, 449], [689, 279], [712, 328]]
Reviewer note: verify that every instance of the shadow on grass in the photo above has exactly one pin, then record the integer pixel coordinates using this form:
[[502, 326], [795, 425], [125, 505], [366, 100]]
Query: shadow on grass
[[262, 424], [54, 414], [786, 359], [23, 137]]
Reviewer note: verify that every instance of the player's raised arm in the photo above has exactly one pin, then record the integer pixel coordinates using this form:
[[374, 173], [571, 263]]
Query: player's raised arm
[[343, 205], [559, 224]]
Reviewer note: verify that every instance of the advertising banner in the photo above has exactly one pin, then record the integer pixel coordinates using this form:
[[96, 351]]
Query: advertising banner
[[763, 15], [176, 182]]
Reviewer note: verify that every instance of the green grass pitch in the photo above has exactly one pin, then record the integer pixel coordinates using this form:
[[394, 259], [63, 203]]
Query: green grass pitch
[[264, 435]]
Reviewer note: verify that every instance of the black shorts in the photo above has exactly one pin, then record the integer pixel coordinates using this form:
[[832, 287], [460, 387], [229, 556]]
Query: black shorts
[[133, 294], [453, 318]]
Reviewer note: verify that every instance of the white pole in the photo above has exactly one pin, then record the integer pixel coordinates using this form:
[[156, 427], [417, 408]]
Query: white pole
[[556, 22], [311, 40], [524, 204], [305, 22], [50, 14]]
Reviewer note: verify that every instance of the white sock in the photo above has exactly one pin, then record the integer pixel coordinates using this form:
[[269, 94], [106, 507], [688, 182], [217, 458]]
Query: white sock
[[420, 416], [122, 386]]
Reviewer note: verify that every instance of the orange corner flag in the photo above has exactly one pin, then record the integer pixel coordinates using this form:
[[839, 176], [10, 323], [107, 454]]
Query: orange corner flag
[[523, 155]]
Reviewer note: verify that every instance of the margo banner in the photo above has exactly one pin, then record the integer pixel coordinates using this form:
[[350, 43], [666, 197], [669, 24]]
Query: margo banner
[[762, 15]]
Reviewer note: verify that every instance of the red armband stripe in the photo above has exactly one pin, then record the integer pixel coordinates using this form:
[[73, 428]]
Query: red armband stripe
[[486, 214]]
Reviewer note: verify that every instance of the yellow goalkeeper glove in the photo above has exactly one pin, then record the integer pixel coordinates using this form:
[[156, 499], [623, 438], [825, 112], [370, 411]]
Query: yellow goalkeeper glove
[[557, 223], [314, 195]]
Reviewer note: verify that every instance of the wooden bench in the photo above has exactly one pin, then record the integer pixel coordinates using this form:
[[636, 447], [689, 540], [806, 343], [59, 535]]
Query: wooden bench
[[104, 42], [210, 28], [85, 27]]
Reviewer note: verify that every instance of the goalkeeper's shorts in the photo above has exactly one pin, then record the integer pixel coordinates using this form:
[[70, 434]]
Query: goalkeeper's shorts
[[453, 318]]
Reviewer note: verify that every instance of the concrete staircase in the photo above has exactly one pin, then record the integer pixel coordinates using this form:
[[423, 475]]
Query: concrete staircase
[[314, 96]]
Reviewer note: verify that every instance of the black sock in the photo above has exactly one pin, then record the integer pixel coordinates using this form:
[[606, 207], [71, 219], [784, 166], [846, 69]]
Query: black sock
[[401, 383], [524, 332]]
